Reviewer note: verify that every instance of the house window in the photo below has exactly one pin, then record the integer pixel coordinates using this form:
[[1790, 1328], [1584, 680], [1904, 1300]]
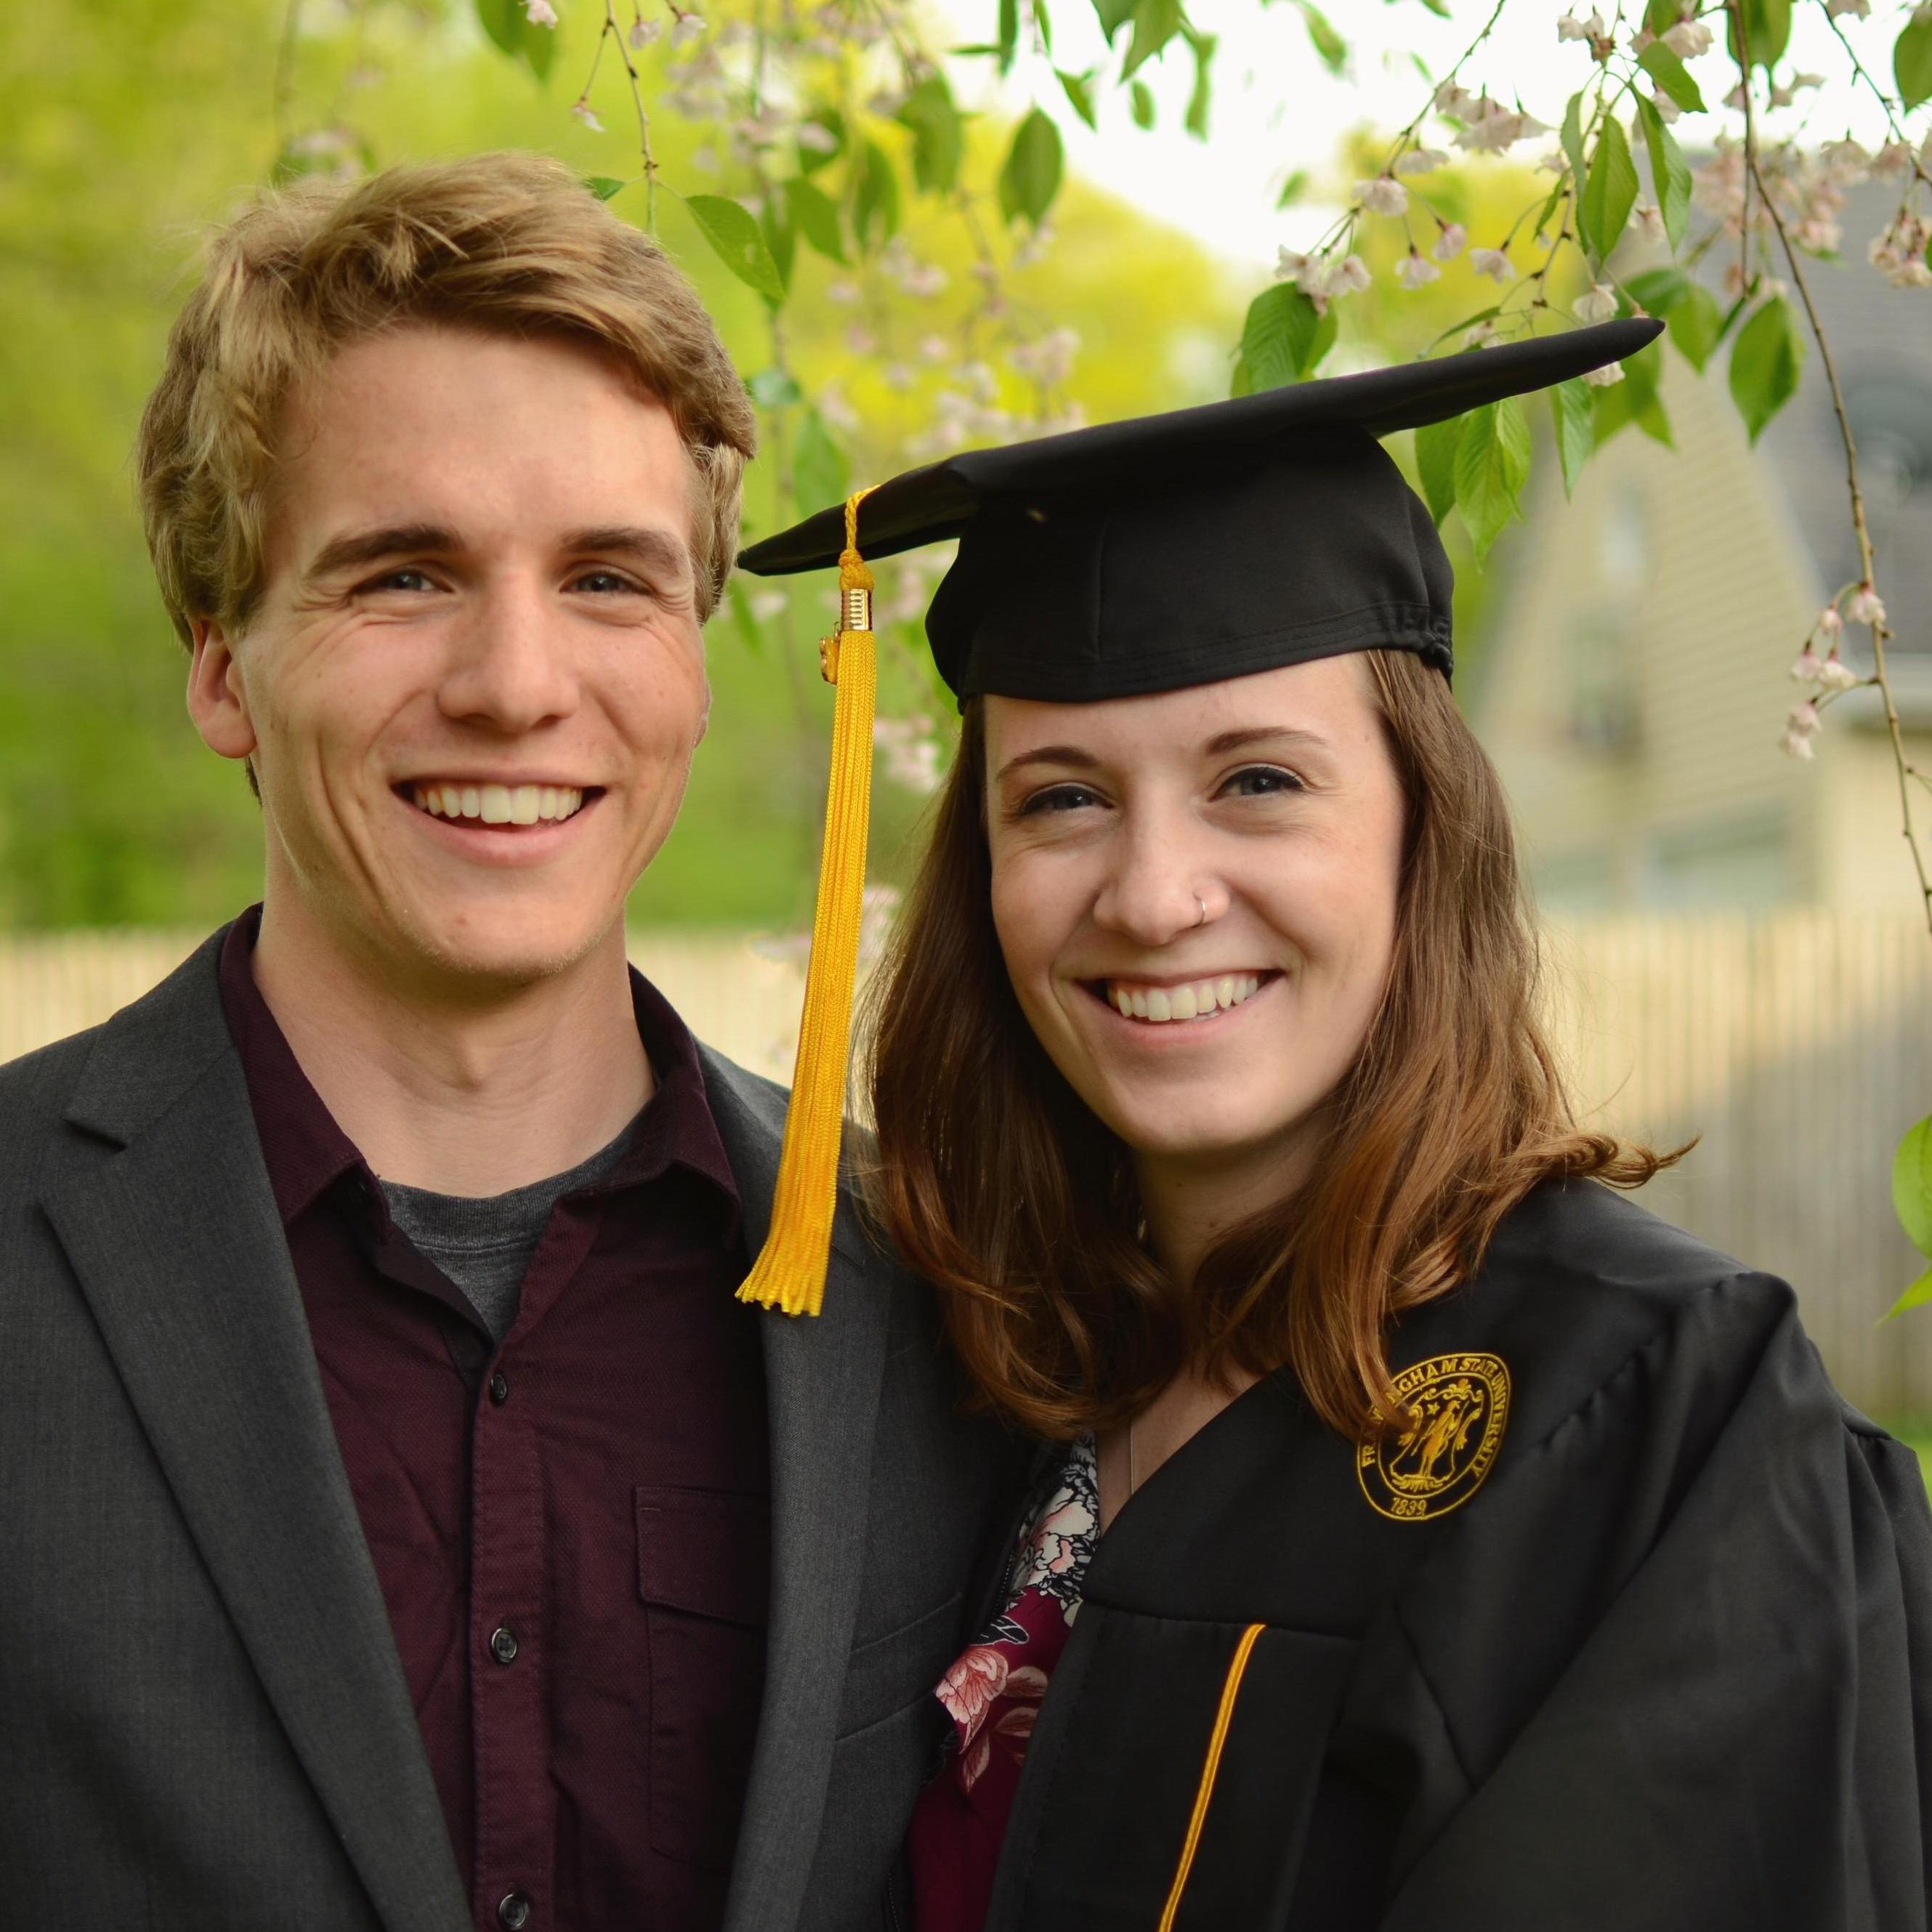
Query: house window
[[1604, 646]]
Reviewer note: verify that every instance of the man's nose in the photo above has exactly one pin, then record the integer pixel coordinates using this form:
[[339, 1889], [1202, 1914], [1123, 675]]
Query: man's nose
[[1151, 893], [511, 670]]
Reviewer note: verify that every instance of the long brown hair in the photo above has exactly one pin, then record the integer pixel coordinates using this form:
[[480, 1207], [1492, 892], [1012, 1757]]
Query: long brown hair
[[997, 1182]]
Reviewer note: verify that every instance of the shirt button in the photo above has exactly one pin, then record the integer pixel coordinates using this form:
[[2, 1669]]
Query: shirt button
[[513, 1911], [499, 1388], [503, 1649]]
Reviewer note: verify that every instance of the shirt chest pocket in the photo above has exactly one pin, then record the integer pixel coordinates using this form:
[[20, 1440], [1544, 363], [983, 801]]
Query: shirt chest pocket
[[704, 1576]]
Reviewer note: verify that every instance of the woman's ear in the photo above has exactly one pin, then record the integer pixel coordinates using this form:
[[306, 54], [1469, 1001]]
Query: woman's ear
[[216, 700]]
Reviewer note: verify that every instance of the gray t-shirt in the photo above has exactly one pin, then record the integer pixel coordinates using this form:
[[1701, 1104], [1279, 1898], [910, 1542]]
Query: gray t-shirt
[[485, 1244]]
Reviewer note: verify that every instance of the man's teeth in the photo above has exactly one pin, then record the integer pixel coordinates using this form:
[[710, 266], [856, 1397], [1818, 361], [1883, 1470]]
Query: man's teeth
[[1192, 1002], [499, 804]]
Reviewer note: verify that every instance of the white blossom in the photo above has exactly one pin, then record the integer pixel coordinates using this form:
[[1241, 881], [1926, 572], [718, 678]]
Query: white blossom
[[842, 292], [1382, 196], [1893, 160], [1596, 303], [1610, 373], [1863, 607], [1490, 127], [1797, 743], [832, 402], [1809, 667], [1349, 276], [582, 110], [1831, 624], [1688, 39], [1449, 243], [859, 340], [1421, 161], [539, 12], [1050, 359], [934, 349], [1413, 270], [686, 28], [766, 604], [897, 375], [643, 31], [1569, 27], [1837, 676], [1648, 219], [1453, 100], [909, 753], [1492, 262], [1667, 109]]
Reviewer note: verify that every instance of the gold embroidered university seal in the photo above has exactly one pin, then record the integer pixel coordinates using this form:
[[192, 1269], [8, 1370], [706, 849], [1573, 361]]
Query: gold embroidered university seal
[[1460, 1404]]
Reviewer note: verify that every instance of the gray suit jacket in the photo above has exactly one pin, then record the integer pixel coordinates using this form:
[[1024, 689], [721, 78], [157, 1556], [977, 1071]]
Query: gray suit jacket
[[203, 1721]]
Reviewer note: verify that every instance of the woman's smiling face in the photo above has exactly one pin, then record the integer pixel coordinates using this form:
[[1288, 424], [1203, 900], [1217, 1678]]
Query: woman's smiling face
[[1195, 892]]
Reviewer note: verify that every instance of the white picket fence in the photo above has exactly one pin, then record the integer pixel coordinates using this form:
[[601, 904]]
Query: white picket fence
[[1797, 1044]]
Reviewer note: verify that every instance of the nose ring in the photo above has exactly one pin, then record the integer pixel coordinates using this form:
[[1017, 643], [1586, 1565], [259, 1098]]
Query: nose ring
[[1203, 904]]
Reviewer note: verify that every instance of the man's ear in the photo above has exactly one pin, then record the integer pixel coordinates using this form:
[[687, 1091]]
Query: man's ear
[[216, 700]]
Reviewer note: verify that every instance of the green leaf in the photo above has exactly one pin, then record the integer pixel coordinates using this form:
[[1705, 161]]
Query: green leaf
[[1912, 1186], [1492, 466], [1031, 177], [774, 389], [510, 29], [603, 186], [1911, 59], [1284, 336], [1609, 190], [1293, 189], [938, 136], [1558, 189], [751, 632], [1010, 33], [775, 224], [815, 215], [1658, 291], [1572, 137], [1671, 75], [1768, 25], [1322, 36], [820, 474], [1243, 382], [733, 233], [1435, 446], [1766, 360], [1114, 15], [875, 199], [1660, 16], [1195, 120], [1916, 1296], [1079, 89], [1669, 172], [1156, 22], [1637, 399], [810, 160], [1575, 427], [1043, 25], [1695, 324], [1140, 104]]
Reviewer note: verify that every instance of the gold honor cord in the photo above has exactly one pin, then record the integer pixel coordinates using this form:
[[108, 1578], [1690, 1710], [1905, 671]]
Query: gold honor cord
[[790, 1271], [1230, 1690]]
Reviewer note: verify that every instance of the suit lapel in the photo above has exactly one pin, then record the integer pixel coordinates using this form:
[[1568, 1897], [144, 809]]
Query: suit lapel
[[822, 1388], [163, 1205]]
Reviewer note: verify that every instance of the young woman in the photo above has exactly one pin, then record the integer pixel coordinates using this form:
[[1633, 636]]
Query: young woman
[[1423, 1534]]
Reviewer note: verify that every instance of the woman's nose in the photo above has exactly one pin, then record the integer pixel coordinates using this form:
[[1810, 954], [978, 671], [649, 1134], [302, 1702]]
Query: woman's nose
[[1153, 890]]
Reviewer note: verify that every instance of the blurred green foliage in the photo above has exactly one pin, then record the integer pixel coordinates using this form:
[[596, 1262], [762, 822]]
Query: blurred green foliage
[[128, 126]]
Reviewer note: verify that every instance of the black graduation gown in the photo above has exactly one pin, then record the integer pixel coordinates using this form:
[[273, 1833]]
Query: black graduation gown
[[1638, 1636]]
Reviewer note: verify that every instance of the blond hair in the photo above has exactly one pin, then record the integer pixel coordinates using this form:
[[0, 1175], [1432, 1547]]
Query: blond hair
[[507, 244]]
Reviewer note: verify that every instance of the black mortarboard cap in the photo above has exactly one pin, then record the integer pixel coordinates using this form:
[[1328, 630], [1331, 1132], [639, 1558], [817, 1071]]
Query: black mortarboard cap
[[1205, 543]]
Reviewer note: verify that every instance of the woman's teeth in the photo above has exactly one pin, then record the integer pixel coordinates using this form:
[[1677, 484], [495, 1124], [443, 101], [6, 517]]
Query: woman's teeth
[[498, 805], [1193, 1002]]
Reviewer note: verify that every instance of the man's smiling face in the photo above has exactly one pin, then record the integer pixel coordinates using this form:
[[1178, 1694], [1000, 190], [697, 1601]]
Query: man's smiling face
[[473, 684]]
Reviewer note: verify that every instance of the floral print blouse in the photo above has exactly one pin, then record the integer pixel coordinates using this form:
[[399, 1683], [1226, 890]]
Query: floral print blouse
[[993, 1693]]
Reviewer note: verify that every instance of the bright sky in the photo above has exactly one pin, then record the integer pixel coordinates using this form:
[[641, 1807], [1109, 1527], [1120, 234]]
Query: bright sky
[[1276, 108]]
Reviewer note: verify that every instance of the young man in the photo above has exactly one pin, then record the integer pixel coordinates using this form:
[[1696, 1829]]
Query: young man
[[406, 1527]]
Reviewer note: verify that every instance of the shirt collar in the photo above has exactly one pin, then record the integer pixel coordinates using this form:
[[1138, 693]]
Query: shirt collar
[[306, 1152]]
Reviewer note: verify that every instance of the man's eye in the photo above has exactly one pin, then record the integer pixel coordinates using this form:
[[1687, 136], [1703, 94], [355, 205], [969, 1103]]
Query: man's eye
[[1261, 781], [1058, 798], [603, 583], [406, 579]]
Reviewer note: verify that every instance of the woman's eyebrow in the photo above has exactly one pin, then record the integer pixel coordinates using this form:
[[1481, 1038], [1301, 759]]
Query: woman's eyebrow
[[1264, 734], [1048, 754]]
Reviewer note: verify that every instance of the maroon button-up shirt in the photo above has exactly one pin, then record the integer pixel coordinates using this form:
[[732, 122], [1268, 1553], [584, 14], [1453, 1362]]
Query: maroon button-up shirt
[[571, 1530]]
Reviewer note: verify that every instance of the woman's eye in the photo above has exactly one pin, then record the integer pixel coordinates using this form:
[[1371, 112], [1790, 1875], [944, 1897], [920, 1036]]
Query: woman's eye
[[1058, 798], [1261, 781]]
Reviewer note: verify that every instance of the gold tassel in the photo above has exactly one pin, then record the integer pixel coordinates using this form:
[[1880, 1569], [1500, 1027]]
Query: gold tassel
[[790, 1272]]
